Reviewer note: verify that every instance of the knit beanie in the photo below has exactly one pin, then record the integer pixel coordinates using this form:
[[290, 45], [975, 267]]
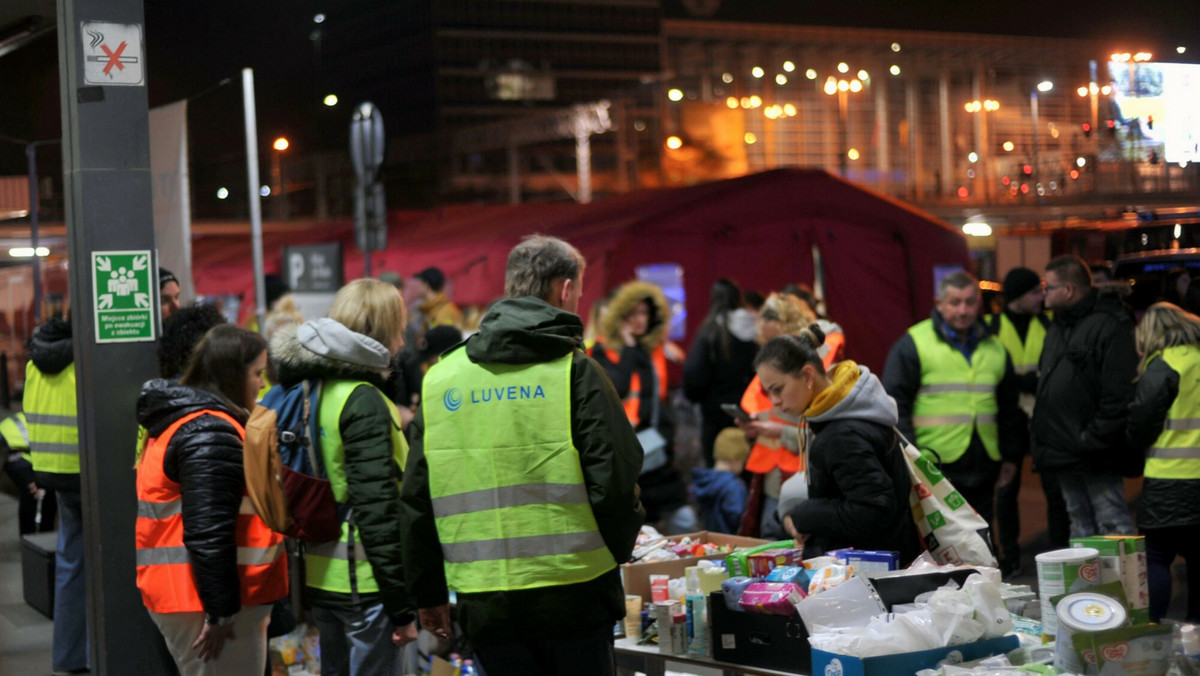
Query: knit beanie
[[1018, 282]]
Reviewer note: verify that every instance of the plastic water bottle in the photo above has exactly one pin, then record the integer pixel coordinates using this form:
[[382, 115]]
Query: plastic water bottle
[[1189, 641], [456, 663], [468, 668]]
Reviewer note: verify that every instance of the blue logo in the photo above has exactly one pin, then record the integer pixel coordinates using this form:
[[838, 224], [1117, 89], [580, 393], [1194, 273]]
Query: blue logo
[[453, 399]]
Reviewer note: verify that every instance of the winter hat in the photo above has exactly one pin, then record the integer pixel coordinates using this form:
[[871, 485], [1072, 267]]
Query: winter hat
[[1018, 282], [438, 339], [433, 277], [731, 445]]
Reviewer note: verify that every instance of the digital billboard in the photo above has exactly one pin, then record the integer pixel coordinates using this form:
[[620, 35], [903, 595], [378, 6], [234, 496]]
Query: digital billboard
[[1153, 110]]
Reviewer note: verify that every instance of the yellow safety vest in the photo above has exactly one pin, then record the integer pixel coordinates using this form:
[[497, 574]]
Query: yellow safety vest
[[509, 501], [50, 413], [956, 397], [1176, 452], [327, 565], [15, 432], [1024, 354]]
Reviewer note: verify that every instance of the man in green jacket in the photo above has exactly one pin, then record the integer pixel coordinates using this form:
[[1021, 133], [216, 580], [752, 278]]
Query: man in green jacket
[[520, 491]]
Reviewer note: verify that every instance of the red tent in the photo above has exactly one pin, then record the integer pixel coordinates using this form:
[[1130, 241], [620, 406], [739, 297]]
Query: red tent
[[878, 255]]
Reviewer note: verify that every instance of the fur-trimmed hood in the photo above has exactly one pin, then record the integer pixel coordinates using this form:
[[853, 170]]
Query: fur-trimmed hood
[[325, 349], [624, 299]]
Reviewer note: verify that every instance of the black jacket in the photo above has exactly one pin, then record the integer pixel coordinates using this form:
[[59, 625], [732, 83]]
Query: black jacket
[[710, 379], [1085, 384], [371, 472], [858, 482], [205, 458], [663, 490], [1165, 503], [902, 379], [529, 330], [51, 350]]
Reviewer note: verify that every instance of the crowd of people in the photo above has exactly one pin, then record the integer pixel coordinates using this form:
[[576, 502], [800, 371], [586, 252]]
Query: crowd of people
[[514, 461]]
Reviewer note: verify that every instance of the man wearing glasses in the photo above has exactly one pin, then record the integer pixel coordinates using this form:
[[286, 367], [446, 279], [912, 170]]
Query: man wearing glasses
[[1085, 383]]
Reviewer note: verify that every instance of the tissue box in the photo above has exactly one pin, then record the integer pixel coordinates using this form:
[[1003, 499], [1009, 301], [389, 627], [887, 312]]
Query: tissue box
[[765, 641], [909, 663], [869, 562]]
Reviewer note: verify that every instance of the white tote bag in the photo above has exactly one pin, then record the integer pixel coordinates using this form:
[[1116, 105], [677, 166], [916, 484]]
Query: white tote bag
[[953, 531]]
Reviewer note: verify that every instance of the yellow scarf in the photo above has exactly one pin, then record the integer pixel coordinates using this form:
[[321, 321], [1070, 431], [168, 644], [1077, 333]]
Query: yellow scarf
[[843, 376]]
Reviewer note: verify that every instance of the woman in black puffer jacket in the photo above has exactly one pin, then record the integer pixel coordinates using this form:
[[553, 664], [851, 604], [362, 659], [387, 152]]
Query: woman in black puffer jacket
[[1166, 404], [858, 482], [207, 566]]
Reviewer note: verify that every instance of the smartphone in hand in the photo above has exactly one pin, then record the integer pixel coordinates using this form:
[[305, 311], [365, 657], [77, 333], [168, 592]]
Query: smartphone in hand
[[736, 412]]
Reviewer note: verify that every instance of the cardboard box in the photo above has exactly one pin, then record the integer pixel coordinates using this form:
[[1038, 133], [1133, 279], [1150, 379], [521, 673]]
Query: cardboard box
[[909, 663], [1123, 559], [636, 576], [767, 641], [37, 571]]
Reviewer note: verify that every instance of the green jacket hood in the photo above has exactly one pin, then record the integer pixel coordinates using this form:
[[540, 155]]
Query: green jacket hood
[[524, 331]]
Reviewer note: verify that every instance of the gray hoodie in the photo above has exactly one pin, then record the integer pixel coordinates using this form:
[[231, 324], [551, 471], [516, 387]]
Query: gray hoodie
[[867, 400]]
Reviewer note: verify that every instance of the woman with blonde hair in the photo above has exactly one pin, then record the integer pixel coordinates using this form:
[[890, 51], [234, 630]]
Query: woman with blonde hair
[[358, 605], [1163, 420]]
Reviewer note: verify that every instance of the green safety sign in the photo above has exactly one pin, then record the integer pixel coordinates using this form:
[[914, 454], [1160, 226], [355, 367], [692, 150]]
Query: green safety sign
[[123, 286]]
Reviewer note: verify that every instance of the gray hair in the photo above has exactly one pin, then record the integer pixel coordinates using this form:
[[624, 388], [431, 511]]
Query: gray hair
[[958, 280], [535, 263]]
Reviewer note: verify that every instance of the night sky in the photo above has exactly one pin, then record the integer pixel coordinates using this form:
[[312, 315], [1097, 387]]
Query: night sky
[[192, 46]]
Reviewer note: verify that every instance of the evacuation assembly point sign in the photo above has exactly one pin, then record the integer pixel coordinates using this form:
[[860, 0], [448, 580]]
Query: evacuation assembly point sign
[[124, 296]]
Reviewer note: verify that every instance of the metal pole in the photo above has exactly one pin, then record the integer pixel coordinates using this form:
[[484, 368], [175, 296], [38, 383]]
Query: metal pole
[[843, 133], [1033, 113], [31, 157], [108, 199], [583, 160], [260, 293]]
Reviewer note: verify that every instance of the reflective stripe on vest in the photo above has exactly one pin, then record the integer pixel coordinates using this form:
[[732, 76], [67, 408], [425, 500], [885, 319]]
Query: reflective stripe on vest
[[1175, 454], [1024, 354], [956, 397], [15, 433], [164, 566], [50, 416], [632, 403], [509, 501], [327, 565], [768, 453]]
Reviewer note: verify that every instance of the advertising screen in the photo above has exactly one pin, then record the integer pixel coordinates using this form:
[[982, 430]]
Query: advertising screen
[[1153, 109]]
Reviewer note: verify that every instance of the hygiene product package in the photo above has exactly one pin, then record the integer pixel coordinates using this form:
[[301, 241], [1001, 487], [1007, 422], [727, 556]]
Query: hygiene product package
[[771, 598]]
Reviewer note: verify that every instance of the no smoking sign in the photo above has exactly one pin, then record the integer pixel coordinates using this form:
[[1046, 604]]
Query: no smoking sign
[[113, 54]]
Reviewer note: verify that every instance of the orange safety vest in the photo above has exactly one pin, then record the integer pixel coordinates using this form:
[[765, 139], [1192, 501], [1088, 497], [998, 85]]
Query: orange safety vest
[[835, 342], [767, 454], [633, 399], [164, 569]]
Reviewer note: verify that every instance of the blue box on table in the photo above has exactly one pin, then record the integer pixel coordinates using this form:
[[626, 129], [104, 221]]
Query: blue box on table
[[833, 664]]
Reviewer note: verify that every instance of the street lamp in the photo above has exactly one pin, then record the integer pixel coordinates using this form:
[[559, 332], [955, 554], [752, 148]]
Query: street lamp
[[1043, 86], [843, 88], [281, 208]]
